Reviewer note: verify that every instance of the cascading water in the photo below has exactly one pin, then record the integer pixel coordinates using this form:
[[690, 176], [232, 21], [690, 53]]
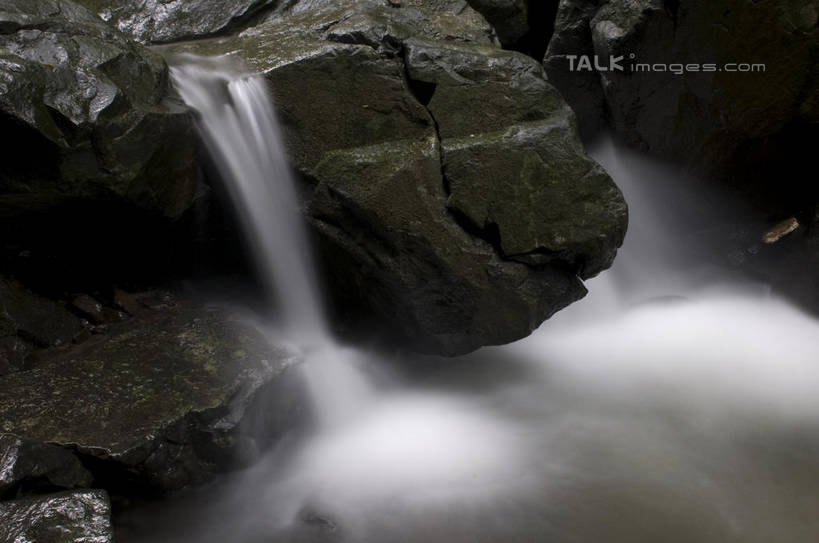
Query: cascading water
[[237, 122], [670, 405], [238, 125]]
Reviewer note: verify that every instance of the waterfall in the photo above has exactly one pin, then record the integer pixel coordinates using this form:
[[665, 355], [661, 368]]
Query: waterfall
[[673, 404], [237, 122]]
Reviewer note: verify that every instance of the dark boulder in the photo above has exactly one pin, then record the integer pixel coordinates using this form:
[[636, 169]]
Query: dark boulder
[[582, 90], [89, 113], [161, 401], [762, 81], [28, 321], [67, 517], [449, 263]]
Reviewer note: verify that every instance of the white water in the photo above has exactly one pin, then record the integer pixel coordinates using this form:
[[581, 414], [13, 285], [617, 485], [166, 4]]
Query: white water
[[238, 124], [673, 404]]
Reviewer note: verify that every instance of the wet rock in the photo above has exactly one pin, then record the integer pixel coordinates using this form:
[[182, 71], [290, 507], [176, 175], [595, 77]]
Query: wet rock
[[517, 173], [67, 517], [90, 308], [96, 312], [127, 302], [405, 246], [581, 89], [32, 318], [510, 86], [158, 21], [554, 207], [448, 263], [90, 115], [381, 214], [27, 466], [160, 401]]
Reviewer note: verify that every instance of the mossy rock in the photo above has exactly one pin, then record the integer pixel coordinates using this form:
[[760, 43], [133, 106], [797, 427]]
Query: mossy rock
[[160, 401]]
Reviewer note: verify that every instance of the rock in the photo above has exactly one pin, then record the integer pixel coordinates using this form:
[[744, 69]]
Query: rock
[[127, 302], [509, 86], [555, 206], [95, 312], [381, 215], [527, 138], [33, 318], [14, 354], [90, 115], [67, 517], [158, 22], [699, 116], [89, 308], [158, 402], [438, 220], [582, 90], [781, 230], [161, 21], [27, 466]]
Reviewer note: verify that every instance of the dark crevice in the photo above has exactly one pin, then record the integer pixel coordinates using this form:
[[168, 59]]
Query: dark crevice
[[672, 7], [540, 17], [423, 91], [115, 477], [489, 232], [541, 256]]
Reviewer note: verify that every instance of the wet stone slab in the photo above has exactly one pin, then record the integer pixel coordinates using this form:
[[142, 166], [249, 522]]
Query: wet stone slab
[[158, 402]]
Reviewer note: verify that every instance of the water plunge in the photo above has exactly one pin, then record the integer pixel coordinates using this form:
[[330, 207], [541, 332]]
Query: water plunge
[[673, 404], [238, 124]]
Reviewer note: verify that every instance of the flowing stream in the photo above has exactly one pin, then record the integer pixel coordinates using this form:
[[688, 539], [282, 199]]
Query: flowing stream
[[675, 403]]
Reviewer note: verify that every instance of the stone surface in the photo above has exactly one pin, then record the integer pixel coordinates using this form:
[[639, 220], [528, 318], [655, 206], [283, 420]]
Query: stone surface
[[28, 320], [582, 90], [517, 171], [68, 517], [160, 401], [555, 206], [89, 113], [158, 21], [447, 264]]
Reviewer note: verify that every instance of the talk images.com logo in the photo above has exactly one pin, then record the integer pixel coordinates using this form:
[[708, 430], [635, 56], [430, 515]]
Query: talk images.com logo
[[595, 63]]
